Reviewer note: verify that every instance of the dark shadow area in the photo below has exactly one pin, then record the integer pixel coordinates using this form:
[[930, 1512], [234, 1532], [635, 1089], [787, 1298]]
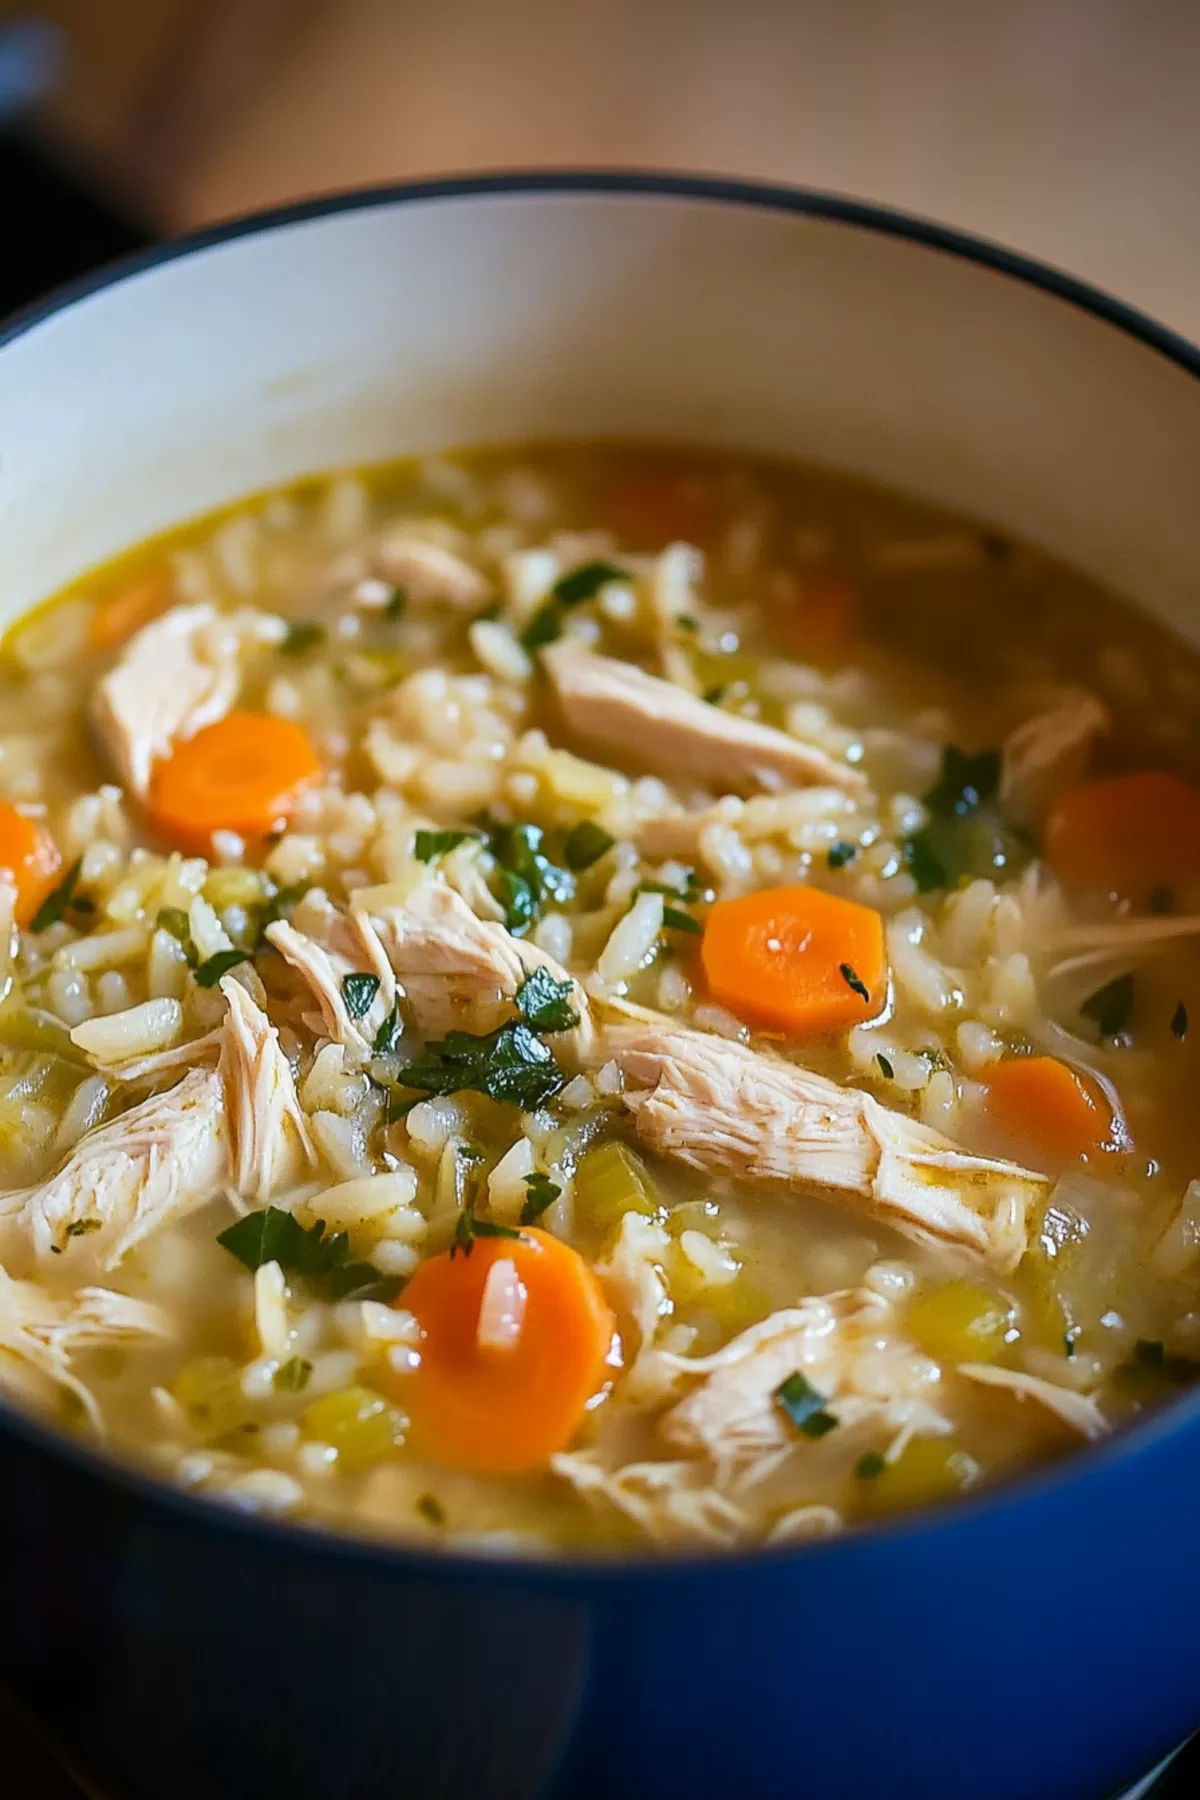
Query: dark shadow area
[[55, 224]]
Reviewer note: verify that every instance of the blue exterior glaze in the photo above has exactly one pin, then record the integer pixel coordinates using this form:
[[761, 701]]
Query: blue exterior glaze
[[1036, 1644]]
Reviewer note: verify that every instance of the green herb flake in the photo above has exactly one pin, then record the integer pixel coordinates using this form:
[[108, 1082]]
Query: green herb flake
[[870, 1465], [1150, 1353], [387, 1038], [885, 1067], [396, 604], [1110, 1008], [585, 845], [272, 1235], [686, 622], [1179, 1021], [688, 894], [358, 993], [208, 973], [570, 590], [674, 920], [546, 1004], [511, 1065], [429, 845], [53, 909], [841, 853], [923, 862], [279, 904], [964, 784], [468, 1228], [541, 1193], [1161, 900], [175, 922], [302, 636], [430, 1509], [804, 1406], [526, 879], [854, 982], [84, 1227], [291, 1377], [715, 694]]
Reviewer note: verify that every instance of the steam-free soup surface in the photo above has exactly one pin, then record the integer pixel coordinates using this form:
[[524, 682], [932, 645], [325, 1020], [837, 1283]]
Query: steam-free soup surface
[[596, 999]]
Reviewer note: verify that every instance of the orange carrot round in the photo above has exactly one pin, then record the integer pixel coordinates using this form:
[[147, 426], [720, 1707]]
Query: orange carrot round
[[243, 774], [1126, 835], [30, 856], [1056, 1111], [796, 960], [125, 612], [493, 1409]]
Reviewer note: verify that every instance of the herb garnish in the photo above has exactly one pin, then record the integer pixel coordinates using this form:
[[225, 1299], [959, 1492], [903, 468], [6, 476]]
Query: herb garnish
[[546, 1004], [510, 1065], [527, 879], [967, 834], [689, 893], [208, 973], [53, 909], [923, 862], [276, 907], [302, 635], [870, 1464], [541, 1193], [885, 1067], [272, 1235], [804, 1406], [291, 1377], [714, 695], [358, 993], [1179, 1021], [569, 591], [854, 982], [585, 845], [468, 1228], [675, 920], [387, 1038], [841, 853], [430, 1509], [1111, 1007], [1150, 1353], [429, 845], [175, 922], [396, 604], [84, 1227]]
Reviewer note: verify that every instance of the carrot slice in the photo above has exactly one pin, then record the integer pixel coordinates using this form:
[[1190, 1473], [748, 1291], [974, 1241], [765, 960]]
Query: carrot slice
[[125, 612], [477, 1405], [1126, 835], [244, 774], [821, 615], [30, 856], [796, 960], [1054, 1109]]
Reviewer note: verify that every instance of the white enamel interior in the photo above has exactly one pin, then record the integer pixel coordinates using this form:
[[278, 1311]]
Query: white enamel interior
[[408, 326]]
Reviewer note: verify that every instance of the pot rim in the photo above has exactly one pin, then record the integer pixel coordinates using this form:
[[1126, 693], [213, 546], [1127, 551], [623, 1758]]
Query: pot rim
[[285, 1538]]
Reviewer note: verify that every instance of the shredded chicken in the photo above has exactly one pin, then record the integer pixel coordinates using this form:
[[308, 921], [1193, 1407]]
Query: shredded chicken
[[1047, 754], [633, 1276], [178, 674], [840, 1344], [324, 945], [426, 572], [125, 1179], [457, 972], [667, 731], [716, 1105], [270, 1141], [1078, 1411], [671, 1502], [1123, 943], [40, 1332]]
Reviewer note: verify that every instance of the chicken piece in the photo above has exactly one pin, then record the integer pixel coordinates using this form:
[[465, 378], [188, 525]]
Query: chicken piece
[[458, 972], [1077, 1411], [1048, 753], [667, 731], [270, 1140], [426, 572], [841, 1345], [671, 1502], [1119, 944], [124, 1180], [40, 1332], [633, 1276], [717, 1105], [324, 946], [178, 674]]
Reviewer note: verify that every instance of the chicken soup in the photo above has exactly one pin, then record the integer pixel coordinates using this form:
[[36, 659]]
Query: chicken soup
[[587, 999]]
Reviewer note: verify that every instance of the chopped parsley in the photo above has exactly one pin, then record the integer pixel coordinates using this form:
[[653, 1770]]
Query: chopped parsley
[[689, 893], [358, 993], [854, 982], [1179, 1021], [675, 920], [430, 1509], [84, 1227], [1150, 1353], [585, 845], [923, 862], [510, 1065], [1110, 1008], [387, 1038], [968, 834], [885, 1067], [53, 909], [841, 853], [546, 1004], [277, 906], [804, 1406], [291, 1377], [468, 1228], [526, 878], [302, 635], [715, 694], [686, 622], [429, 845], [569, 591], [208, 973], [175, 922], [870, 1465], [540, 1193], [964, 783], [272, 1235], [397, 603]]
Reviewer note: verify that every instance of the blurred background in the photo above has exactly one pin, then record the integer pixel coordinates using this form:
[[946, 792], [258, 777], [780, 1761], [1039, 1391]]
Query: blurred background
[[1068, 128]]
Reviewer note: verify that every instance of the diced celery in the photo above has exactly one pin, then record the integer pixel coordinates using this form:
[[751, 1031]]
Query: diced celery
[[233, 887], [209, 1388], [960, 1323], [1082, 1260], [927, 1470], [359, 1424], [611, 1181]]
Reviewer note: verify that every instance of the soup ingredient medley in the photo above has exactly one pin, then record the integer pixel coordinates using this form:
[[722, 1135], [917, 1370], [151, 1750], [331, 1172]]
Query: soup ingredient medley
[[594, 998]]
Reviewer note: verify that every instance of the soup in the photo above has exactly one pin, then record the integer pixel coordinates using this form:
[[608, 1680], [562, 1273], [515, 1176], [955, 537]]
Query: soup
[[581, 998]]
